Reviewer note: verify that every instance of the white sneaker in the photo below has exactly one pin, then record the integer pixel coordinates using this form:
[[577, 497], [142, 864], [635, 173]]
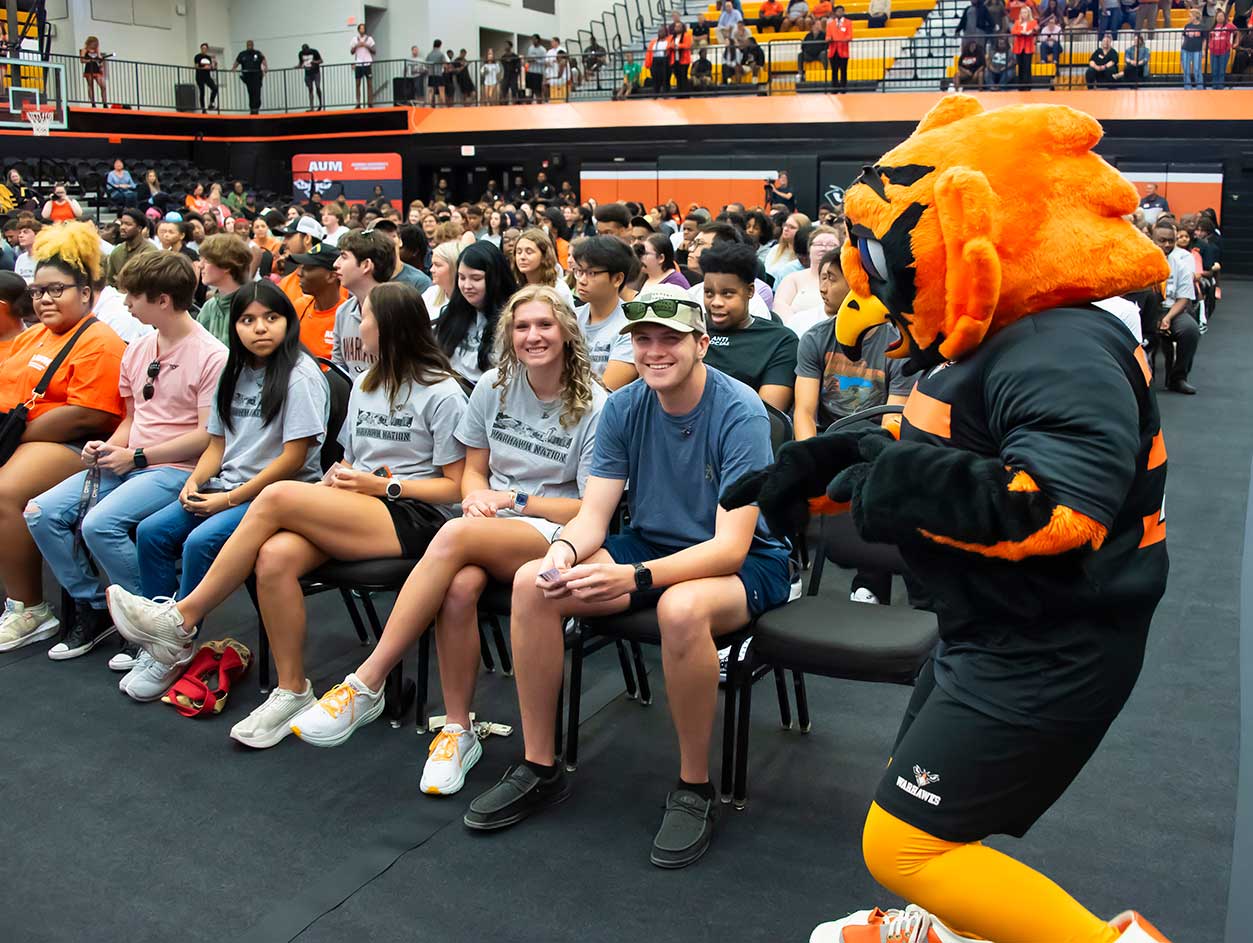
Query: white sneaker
[[155, 625], [861, 594], [339, 712], [1135, 929], [911, 925], [21, 625], [126, 659], [150, 679], [453, 753], [271, 720], [724, 654]]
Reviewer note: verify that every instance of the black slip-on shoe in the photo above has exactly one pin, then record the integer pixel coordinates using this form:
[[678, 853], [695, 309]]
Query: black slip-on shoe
[[686, 829], [519, 794]]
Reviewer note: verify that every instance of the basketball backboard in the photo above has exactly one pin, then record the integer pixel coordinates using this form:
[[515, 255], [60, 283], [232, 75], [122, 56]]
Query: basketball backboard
[[27, 84]]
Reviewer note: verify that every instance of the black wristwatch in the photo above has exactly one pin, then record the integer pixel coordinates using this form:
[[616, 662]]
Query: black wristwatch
[[393, 490], [141, 460], [643, 578]]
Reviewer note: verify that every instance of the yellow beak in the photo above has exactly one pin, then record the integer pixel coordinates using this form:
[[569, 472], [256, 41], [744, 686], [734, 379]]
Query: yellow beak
[[856, 316]]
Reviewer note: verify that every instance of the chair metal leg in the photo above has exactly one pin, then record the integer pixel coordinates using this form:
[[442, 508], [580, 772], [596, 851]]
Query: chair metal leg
[[485, 651], [424, 670], [559, 733], [802, 701], [355, 615], [502, 647], [263, 639], [576, 698], [628, 675], [785, 705], [729, 693], [641, 674], [741, 743]]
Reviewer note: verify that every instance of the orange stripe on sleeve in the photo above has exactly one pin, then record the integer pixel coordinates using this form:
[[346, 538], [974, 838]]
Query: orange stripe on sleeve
[[1154, 529], [929, 415], [1143, 361], [1157, 452]]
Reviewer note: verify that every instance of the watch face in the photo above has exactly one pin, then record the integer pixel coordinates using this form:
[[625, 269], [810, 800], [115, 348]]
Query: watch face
[[393, 489]]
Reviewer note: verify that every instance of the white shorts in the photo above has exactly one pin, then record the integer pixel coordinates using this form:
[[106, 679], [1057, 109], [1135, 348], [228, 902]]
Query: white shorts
[[550, 530]]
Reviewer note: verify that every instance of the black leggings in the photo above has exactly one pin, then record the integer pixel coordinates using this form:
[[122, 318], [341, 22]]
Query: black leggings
[[839, 71], [680, 77], [204, 79], [1024, 69]]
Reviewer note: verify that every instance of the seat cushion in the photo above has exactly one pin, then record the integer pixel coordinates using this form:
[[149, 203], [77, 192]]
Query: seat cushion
[[638, 626], [829, 635], [383, 573]]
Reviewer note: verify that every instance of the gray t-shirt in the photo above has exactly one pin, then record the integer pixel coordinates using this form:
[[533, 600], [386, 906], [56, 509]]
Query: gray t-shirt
[[531, 450], [604, 342], [253, 444], [850, 385], [414, 440], [346, 349], [465, 359], [412, 276]]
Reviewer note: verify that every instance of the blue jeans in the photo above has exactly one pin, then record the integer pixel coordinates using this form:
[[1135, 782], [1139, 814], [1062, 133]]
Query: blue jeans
[[121, 504], [1218, 70], [173, 533], [999, 79], [1113, 20], [1192, 69]]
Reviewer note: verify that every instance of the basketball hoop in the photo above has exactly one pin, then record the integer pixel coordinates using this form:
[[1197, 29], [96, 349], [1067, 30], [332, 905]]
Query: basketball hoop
[[40, 118]]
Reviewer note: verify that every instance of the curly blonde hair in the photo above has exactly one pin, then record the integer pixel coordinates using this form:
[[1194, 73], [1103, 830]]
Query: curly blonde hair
[[71, 246], [548, 256], [578, 381]]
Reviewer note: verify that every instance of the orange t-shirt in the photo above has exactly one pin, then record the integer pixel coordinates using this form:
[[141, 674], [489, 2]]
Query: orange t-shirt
[[317, 328], [821, 8], [290, 284], [771, 8], [61, 212], [88, 377], [5, 347]]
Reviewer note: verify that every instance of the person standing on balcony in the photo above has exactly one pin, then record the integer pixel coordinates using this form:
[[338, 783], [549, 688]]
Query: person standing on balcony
[[1024, 31], [839, 47], [362, 50], [657, 60], [311, 62], [535, 56], [93, 70], [681, 45], [251, 65], [206, 65]]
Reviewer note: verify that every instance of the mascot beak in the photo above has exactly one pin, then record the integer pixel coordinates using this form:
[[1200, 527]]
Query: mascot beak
[[857, 315]]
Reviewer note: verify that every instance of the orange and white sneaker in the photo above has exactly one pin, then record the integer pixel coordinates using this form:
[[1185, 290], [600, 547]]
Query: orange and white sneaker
[[331, 719], [453, 752], [1135, 929], [911, 925]]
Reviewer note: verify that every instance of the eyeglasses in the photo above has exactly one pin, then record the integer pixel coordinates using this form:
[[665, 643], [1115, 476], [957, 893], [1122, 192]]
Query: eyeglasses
[[587, 272], [53, 291], [149, 388], [662, 307]]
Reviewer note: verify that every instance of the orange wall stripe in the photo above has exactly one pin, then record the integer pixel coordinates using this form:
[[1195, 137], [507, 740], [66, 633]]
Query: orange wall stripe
[[930, 415]]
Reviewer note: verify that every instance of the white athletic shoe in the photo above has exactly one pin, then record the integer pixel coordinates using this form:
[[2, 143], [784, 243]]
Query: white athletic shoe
[[21, 625], [150, 679], [126, 659], [911, 925], [454, 751], [271, 720], [339, 712], [1135, 929], [861, 594], [724, 655], [155, 625]]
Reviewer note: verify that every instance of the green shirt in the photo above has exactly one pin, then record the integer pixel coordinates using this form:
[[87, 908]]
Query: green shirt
[[121, 255], [631, 72], [215, 316], [236, 201], [762, 353]]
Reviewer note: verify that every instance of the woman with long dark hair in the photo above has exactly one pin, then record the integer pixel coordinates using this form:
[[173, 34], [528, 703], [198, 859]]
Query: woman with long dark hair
[[401, 416], [467, 326]]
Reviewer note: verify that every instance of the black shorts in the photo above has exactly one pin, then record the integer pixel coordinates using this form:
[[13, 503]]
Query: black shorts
[[960, 775], [364, 71], [434, 81], [416, 524], [535, 82]]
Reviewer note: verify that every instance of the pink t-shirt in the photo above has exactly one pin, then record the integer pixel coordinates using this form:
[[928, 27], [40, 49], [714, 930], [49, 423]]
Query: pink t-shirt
[[185, 384]]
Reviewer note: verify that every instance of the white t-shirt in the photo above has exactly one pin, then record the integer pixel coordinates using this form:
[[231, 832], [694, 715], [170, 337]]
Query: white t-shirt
[[332, 238], [490, 73], [24, 265], [111, 309], [1128, 312], [802, 321], [550, 64], [364, 53]]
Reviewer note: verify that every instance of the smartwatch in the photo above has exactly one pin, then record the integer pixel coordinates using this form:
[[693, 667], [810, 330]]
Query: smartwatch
[[643, 578], [393, 490], [520, 498], [141, 460]]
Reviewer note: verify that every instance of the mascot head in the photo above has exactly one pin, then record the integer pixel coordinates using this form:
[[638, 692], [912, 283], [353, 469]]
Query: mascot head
[[980, 218]]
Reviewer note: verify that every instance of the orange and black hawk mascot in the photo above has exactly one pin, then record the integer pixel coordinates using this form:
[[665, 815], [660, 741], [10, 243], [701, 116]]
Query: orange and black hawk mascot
[[1025, 494]]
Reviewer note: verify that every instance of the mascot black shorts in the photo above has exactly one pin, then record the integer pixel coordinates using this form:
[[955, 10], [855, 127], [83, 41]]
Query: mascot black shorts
[[960, 775]]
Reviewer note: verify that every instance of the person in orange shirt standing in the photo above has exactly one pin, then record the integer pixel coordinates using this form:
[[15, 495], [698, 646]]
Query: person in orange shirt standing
[[322, 296], [1025, 29], [839, 46], [681, 55], [15, 309], [82, 402]]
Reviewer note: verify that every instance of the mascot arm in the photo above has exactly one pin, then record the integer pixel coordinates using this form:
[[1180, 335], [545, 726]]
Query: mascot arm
[[1067, 422]]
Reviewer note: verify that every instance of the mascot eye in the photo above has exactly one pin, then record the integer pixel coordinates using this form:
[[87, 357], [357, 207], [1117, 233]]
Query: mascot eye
[[872, 258]]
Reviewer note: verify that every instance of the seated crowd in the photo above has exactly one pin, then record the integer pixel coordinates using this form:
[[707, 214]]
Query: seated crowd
[[498, 410]]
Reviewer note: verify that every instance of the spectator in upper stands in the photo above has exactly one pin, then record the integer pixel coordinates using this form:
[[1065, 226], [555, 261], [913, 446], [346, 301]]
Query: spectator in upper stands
[[27, 229], [1220, 43], [94, 70], [252, 67], [801, 292], [82, 402], [780, 259], [975, 21], [489, 78], [534, 262], [1192, 49], [1135, 62], [1178, 325], [759, 352], [728, 20], [601, 266], [613, 219], [657, 260], [310, 60], [770, 14], [1075, 16], [224, 264], [120, 184], [1238, 12], [536, 53], [630, 76], [1050, 41], [657, 56], [61, 207], [362, 51], [878, 12], [702, 70], [1209, 10], [970, 65], [206, 65], [1024, 31], [999, 70], [366, 259], [466, 328], [681, 49], [133, 228], [1047, 8]]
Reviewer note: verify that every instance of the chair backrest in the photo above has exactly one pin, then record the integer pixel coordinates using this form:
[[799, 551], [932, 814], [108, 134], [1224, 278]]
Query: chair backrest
[[780, 428], [341, 388]]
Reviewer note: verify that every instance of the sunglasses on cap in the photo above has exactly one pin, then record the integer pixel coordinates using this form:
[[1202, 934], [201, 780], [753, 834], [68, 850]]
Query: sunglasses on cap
[[662, 307]]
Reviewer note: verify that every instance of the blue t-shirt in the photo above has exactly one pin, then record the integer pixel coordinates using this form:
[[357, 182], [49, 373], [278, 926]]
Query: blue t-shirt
[[679, 465]]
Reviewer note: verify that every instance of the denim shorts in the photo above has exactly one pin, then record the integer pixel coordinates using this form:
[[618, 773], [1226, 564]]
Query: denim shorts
[[765, 573]]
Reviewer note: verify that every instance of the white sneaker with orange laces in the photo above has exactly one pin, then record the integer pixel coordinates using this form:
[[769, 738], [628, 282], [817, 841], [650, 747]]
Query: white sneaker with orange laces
[[911, 925], [1135, 929], [332, 718], [454, 751]]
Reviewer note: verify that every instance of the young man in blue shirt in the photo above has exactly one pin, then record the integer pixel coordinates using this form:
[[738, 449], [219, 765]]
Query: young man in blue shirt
[[679, 437]]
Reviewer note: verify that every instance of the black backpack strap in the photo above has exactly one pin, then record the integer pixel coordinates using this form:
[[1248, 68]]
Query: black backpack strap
[[46, 380]]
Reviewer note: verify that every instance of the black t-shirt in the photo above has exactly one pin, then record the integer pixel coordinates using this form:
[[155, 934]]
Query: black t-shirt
[[1049, 640], [203, 60], [1209, 252], [972, 61], [1104, 57], [311, 62], [249, 60], [762, 353], [1193, 38], [702, 67]]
